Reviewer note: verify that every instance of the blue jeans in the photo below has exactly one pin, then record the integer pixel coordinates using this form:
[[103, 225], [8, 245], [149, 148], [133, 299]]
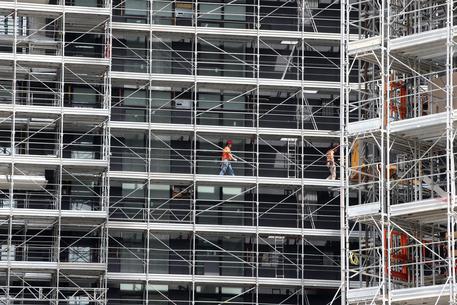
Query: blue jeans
[[226, 168]]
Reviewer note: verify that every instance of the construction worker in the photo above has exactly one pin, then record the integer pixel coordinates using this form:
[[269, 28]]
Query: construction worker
[[331, 162], [226, 167]]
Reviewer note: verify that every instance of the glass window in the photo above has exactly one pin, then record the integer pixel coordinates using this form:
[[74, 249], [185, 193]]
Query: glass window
[[162, 11], [7, 203], [206, 190], [8, 253], [235, 60], [80, 153], [230, 265], [79, 254], [133, 189], [134, 152], [159, 254], [159, 191], [207, 197], [129, 200], [6, 90], [135, 105], [162, 55], [211, 103], [235, 12], [160, 107], [91, 3], [137, 54], [7, 25], [157, 287], [160, 201], [130, 287], [132, 256], [231, 290], [229, 192], [232, 210], [234, 110], [136, 7], [210, 60], [78, 300], [211, 11], [84, 97], [208, 157], [160, 154]]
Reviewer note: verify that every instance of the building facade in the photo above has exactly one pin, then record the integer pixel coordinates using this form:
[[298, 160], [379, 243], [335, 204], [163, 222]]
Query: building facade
[[113, 118]]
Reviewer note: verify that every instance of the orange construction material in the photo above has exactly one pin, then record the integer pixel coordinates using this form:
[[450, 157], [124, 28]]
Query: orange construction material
[[403, 107], [357, 168], [398, 256], [366, 172], [355, 159], [397, 110]]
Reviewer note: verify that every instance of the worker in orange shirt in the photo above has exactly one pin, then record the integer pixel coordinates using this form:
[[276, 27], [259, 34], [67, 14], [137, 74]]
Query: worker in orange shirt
[[331, 162], [226, 167]]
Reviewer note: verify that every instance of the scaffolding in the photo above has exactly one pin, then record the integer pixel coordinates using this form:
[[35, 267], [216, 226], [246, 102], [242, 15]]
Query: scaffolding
[[113, 118], [398, 162]]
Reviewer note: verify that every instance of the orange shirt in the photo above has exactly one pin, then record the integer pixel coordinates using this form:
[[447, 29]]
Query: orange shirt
[[226, 153]]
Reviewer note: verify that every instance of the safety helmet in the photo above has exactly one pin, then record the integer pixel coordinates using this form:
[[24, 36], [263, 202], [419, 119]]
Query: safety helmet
[[229, 142]]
